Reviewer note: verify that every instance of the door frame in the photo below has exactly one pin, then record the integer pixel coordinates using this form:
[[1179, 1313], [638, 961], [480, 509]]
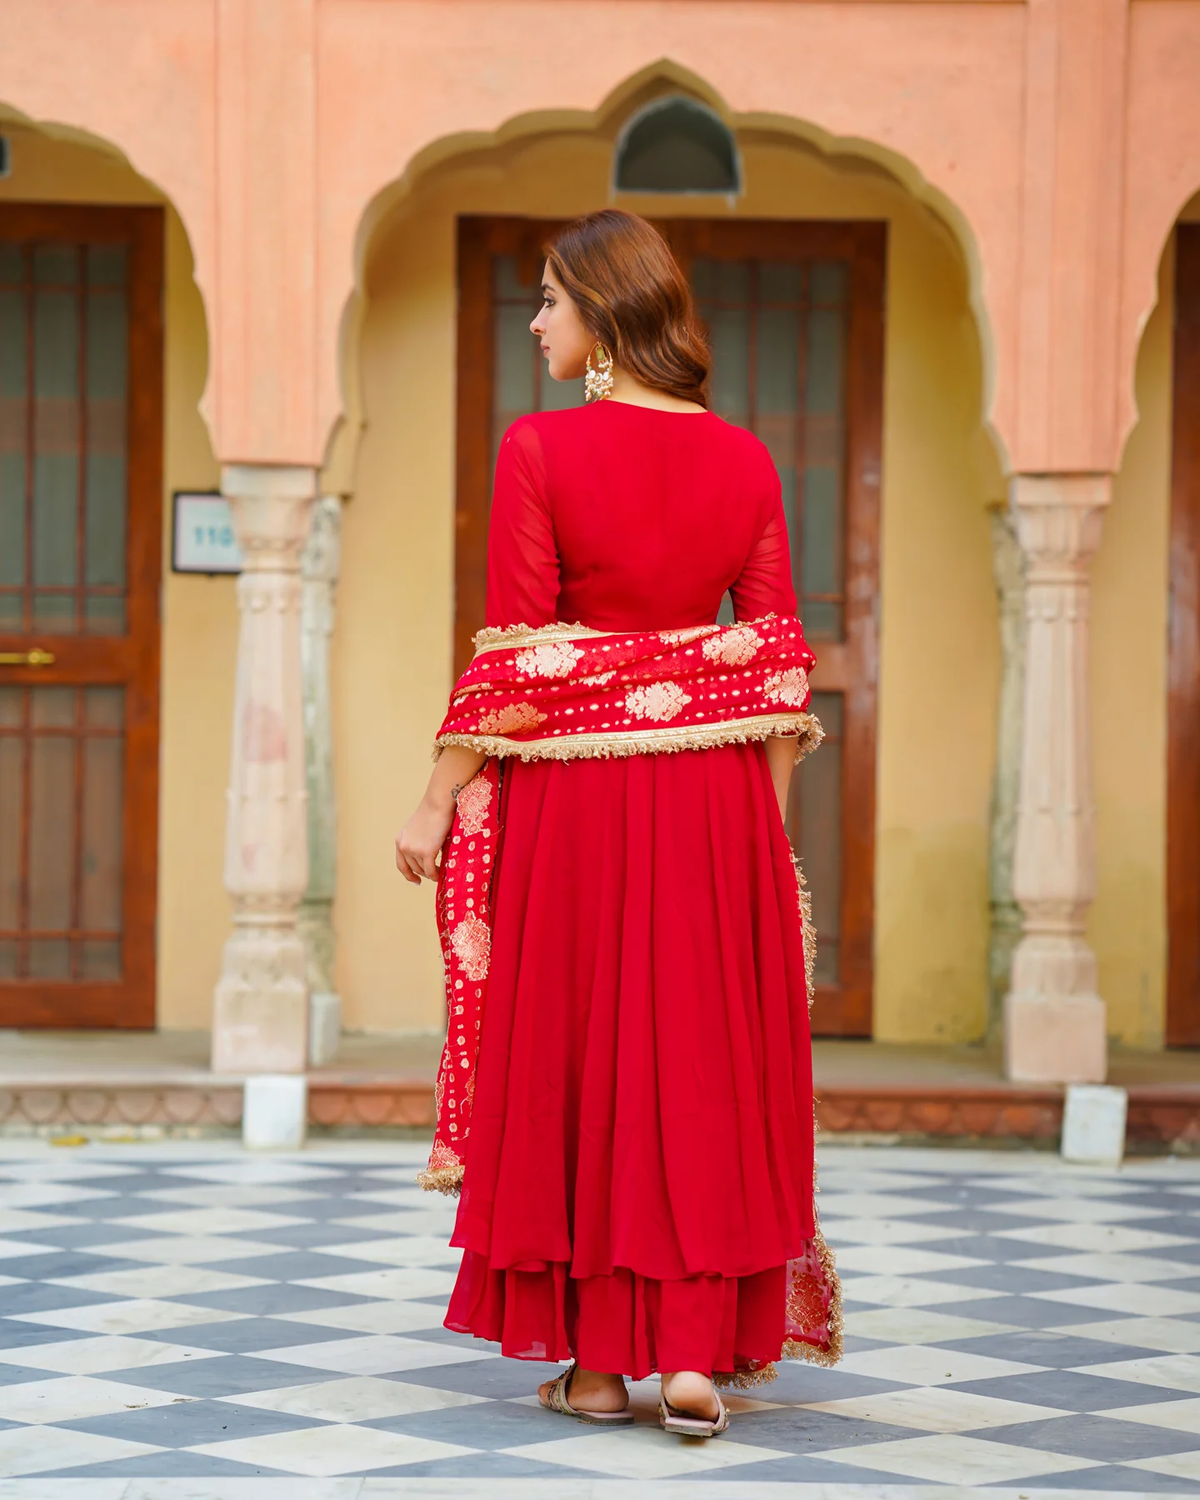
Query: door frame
[[131, 660], [1183, 659], [846, 1009]]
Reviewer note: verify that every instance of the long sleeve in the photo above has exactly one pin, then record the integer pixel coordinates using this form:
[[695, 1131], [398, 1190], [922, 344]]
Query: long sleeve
[[765, 583], [523, 565]]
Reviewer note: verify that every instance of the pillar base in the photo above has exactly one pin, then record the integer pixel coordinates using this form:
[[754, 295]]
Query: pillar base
[[261, 1009], [1055, 1039]]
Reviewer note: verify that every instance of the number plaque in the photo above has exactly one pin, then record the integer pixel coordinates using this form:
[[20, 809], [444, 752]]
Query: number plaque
[[202, 535]]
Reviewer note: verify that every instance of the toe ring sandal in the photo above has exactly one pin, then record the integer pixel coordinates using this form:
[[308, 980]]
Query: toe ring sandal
[[688, 1425], [555, 1399]]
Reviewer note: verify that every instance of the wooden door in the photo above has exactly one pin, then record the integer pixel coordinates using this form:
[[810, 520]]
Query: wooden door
[[1183, 670], [80, 533], [795, 314]]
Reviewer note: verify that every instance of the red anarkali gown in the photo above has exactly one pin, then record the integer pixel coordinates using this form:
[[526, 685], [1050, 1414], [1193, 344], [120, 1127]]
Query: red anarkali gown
[[640, 1163]]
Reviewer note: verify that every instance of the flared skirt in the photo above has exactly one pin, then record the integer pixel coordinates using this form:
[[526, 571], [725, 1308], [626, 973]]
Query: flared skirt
[[640, 1164]]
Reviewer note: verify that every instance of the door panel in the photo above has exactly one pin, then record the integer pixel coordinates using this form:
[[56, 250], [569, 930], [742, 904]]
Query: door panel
[[1183, 673], [80, 519], [795, 317]]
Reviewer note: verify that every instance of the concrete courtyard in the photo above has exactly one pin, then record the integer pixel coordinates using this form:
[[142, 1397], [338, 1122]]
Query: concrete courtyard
[[182, 1321]]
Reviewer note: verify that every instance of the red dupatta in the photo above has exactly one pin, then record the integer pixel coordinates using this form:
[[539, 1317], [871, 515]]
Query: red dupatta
[[562, 692]]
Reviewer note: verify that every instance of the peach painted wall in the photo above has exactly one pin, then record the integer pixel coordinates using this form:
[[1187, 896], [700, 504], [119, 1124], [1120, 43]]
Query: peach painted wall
[[199, 615], [1060, 136], [939, 645]]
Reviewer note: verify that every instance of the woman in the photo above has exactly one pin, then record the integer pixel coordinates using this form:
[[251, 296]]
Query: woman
[[638, 1188]]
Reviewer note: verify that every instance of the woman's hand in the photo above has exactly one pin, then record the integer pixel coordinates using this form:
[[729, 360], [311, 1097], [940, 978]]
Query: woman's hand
[[422, 837], [425, 832]]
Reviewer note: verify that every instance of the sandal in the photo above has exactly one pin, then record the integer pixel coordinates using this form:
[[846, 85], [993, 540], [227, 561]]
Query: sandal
[[686, 1424], [556, 1400]]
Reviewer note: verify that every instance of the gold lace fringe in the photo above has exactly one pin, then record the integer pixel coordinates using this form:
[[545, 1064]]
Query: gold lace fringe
[[806, 727], [808, 931], [744, 1380], [443, 1180]]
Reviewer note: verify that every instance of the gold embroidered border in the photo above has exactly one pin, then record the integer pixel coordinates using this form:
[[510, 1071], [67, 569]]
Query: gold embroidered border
[[797, 1348], [646, 741], [502, 637]]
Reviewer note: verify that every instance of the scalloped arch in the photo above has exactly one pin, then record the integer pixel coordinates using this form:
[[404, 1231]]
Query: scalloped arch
[[663, 75]]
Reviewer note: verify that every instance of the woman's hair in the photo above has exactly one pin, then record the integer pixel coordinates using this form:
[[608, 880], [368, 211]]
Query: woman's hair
[[621, 275]]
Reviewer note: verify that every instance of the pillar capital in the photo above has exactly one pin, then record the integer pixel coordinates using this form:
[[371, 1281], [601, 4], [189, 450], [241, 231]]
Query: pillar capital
[[1058, 518], [271, 505]]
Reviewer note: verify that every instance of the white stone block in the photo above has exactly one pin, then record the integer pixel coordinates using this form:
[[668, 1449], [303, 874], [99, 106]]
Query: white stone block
[[325, 1027], [1094, 1125], [275, 1112]]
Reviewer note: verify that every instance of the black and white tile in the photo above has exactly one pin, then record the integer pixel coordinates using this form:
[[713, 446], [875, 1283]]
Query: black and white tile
[[185, 1322]]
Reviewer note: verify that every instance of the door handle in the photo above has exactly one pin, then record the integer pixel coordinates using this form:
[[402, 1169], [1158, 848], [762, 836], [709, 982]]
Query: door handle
[[35, 658]]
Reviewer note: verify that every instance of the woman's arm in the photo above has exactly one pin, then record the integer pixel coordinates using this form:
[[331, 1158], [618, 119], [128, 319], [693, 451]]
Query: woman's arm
[[425, 832], [781, 758], [522, 588]]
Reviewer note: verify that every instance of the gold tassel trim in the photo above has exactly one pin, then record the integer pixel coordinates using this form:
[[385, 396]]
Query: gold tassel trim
[[646, 741], [744, 1380], [443, 1180], [808, 931]]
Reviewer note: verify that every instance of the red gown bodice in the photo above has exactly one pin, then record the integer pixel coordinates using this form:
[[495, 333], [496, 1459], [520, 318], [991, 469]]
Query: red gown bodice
[[622, 517]]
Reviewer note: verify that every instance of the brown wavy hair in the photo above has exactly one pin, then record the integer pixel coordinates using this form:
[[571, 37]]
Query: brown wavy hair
[[632, 296]]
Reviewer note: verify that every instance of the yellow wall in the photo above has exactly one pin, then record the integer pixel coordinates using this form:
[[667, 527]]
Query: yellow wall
[[938, 616], [199, 614]]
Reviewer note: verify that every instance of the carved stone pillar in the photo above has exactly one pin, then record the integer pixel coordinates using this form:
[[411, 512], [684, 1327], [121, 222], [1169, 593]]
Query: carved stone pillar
[[260, 1012], [319, 567], [1008, 569], [1054, 1021]]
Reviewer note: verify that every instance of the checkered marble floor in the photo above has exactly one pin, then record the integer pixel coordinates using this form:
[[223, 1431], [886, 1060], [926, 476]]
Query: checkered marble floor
[[186, 1322]]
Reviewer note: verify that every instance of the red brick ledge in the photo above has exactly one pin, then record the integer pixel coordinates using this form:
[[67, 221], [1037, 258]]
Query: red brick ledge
[[1159, 1115], [1027, 1114]]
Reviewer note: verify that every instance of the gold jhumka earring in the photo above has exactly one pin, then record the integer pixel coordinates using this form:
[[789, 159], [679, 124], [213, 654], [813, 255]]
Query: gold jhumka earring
[[598, 382]]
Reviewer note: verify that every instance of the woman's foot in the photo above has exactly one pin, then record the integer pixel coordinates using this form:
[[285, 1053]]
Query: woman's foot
[[691, 1392], [592, 1390]]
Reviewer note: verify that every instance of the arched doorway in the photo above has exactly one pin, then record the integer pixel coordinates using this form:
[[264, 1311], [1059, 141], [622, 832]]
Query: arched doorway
[[96, 299], [815, 243]]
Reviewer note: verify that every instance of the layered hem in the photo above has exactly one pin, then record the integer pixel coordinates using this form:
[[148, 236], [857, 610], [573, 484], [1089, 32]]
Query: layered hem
[[626, 1324]]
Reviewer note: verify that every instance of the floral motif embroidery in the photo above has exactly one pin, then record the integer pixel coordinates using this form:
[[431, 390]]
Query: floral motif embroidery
[[598, 680], [511, 719], [548, 661], [735, 647], [472, 943], [473, 803], [682, 637], [790, 687], [658, 700]]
